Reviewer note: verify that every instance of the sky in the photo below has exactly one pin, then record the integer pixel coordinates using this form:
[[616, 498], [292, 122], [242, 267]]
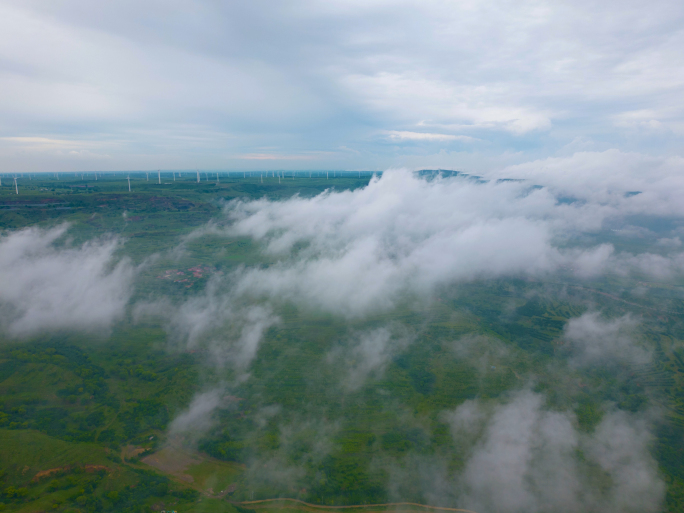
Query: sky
[[469, 85]]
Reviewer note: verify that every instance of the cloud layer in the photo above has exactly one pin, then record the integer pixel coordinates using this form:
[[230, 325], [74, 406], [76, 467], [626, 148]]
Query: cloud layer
[[368, 353], [622, 183], [352, 251], [526, 460], [356, 252], [215, 321], [46, 288], [599, 341], [364, 247], [403, 236]]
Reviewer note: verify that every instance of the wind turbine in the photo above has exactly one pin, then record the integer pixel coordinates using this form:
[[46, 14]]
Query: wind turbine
[[198, 178], [217, 178], [129, 183], [148, 175], [16, 187], [174, 175], [159, 176]]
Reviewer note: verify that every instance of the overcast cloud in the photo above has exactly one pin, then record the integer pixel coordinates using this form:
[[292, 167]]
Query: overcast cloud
[[346, 84]]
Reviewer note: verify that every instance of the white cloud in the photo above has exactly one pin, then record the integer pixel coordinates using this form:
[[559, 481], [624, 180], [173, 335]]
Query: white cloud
[[46, 288], [400, 135], [610, 180], [368, 353], [275, 156], [596, 340], [362, 249], [526, 460], [652, 265], [216, 321], [355, 251], [417, 98], [358, 251], [674, 242], [197, 418], [620, 446]]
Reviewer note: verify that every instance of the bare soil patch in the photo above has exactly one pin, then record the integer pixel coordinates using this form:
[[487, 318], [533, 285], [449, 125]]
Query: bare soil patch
[[174, 461]]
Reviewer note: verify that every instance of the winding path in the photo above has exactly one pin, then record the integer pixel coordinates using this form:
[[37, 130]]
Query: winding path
[[262, 501]]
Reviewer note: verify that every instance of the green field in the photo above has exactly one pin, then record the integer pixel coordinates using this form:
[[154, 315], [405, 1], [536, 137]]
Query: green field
[[294, 427]]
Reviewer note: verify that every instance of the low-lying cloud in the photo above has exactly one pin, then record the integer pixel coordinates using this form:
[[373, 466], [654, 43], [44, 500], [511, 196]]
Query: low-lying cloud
[[355, 252], [368, 354], [197, 418], [620, 183], [594, 340], [527, 459], [215, 321], [403, 237], [45, 287], [350, 252]]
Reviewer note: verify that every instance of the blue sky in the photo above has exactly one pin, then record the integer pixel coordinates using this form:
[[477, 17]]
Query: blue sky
[[473, 85]]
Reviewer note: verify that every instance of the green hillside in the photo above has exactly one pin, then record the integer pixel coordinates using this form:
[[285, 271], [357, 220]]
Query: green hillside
[[95, 410]]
